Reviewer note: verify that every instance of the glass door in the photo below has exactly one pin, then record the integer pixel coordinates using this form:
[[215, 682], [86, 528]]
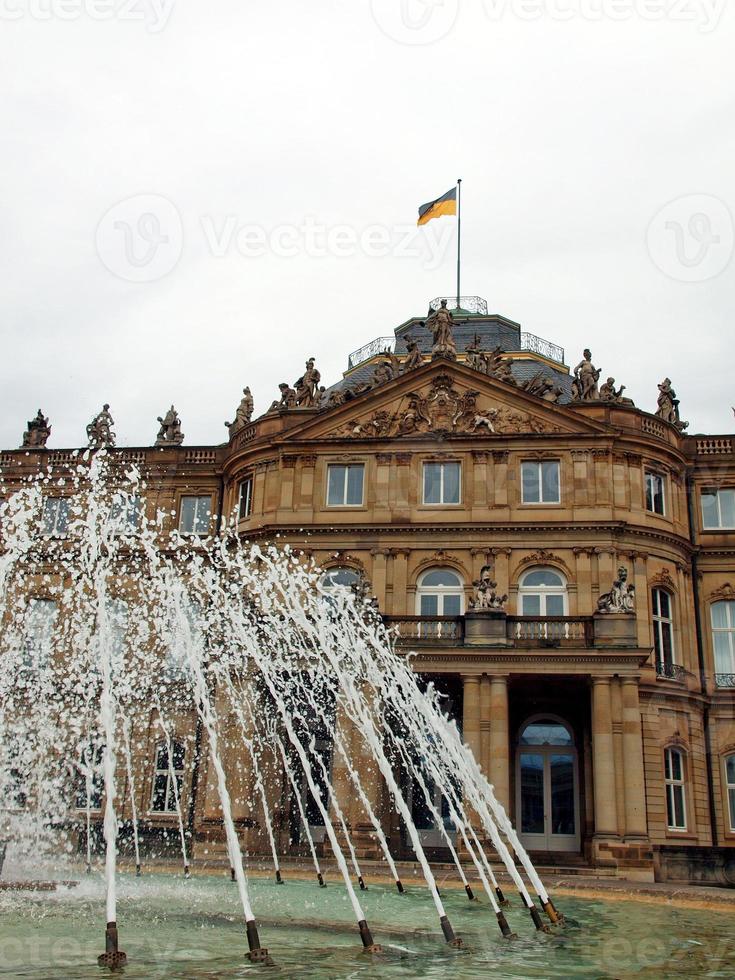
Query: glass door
[[547, 787]]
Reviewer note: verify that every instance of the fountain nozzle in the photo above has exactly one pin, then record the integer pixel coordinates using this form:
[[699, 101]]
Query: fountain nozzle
[[367, 938], [451, 939], [361, 883], [399, 886], [137, 871], [470, 893], [279, 879], [113, 958], [257, 953], [322, 882]]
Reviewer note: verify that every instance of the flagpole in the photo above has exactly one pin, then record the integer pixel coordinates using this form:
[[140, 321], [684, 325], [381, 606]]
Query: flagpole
[[459, 232]]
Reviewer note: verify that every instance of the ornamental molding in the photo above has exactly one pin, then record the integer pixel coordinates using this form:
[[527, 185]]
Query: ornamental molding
[[544, 557], [725, 592], [663, 579]]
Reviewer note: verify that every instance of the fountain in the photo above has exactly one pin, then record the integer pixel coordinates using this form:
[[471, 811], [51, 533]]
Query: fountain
[[106, 629]]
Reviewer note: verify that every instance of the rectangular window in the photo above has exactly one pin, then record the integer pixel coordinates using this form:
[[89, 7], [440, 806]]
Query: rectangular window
[[442, 483], [723, 641], [168, 778], [40, 626], [126, 513], [540, 482], [55, 515], [245, 504], [655, 498], [730, 775], [345, 485], [718, 509], [663, 638], [195, 515], [675, 796]]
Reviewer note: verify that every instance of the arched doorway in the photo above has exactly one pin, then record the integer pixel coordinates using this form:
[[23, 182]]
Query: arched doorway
[[547, 785]]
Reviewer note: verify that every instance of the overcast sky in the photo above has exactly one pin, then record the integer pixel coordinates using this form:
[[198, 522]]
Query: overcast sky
[[198, 196]]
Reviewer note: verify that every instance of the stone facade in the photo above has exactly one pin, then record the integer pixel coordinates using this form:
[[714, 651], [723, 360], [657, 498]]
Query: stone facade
[[471, 474]]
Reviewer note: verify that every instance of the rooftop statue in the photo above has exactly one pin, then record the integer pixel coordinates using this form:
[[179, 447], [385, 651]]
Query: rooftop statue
[[621, 598], [440, 323], [586, 376], [388, 369], [608, 393], [497, 365], [244, 412], [486, 596], [170, 433], [543, 386], [288, 397], [99, 430], [475, 358], [414, 358], [307, 385], [38, 432], [668, 405]]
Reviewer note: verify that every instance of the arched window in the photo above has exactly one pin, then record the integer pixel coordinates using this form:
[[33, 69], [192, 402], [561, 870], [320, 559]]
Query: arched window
[[345, 578], [546, 731], [168, 778], [730, 785], [663, 632], [723, 641], [674, 777], [440, 592], [543, 592]]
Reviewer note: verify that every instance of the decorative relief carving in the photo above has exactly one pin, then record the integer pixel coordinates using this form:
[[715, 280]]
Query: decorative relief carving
[[663, 578], [725, 592]]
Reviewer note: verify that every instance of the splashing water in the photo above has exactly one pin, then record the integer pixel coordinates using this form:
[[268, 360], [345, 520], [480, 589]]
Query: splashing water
[[111, 627]]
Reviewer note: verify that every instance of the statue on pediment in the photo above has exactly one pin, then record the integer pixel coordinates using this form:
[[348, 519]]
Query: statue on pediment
[[621, 598], [441, 325], [307, 385], [414, 358], [37, 433], [335, 398], [475, 357], [543, 386], [244, 412], [586, 376], [388, 369], [99, 430], [498, 366], [668, 405], [170, 433]]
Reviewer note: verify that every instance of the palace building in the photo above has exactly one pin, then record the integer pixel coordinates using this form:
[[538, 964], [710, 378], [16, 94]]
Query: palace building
[[559, 562]]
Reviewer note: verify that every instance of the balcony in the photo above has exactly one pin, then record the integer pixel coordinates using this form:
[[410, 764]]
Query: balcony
[[536, 632], [670, 672], [726, 681]]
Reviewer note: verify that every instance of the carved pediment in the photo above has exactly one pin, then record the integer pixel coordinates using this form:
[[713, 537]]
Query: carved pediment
[[725, 592]]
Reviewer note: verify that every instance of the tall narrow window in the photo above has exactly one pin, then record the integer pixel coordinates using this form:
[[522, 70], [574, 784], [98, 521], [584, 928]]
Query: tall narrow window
[[245, 504], [675, 790], [39, 638], [723, 641], [164, 795], [442, 483], [663, 633], [730, 780], [655, 493], [540, 482], [718, 509], [55, 515], [195, 515], [345, 485], [126, 513]]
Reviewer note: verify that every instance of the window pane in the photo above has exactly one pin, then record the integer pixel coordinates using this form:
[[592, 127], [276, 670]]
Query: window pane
[[731, 770], [543, 576], [429, 605], [667, 646], [530, 481], [451, 483], [649, 492], [710, 515], [246, 499], [531, 605], [731, 798], [452, 605], [532, 794], [336, 477], [724, 659], [676, 766], [335, 577], [554, 605], [441, 577], [545, 733], [727, 508], [160, 785], [679, 818], [562, 794], [432, 483], [719, 614], [354, 484], [550, 482], [188, 506], [203, 510], [664, 603], [178, 755]]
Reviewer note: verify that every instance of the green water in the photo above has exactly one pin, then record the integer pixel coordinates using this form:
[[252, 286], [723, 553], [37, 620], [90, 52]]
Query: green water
[[191, 929]]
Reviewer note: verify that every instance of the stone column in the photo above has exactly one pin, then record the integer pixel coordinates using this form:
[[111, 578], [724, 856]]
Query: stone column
[[603, 759], [471, 714], [379, 576], [499, 768], [636, 827], [485, 715]]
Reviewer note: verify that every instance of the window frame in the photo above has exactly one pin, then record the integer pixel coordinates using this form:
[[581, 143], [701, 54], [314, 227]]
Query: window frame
[[715, 492], [131, 507], [32, 646], [441, 463], [197, 497], [331, 468], [543, 591], [729, 631], [440, 591], [61, 511], [249, 482], [540, 464], [656, 475], [171, 774], [671, 784], [658, 622], [729, 788]]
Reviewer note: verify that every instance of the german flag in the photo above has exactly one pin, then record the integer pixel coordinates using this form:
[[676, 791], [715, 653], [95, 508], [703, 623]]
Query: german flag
[[446, 204]]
